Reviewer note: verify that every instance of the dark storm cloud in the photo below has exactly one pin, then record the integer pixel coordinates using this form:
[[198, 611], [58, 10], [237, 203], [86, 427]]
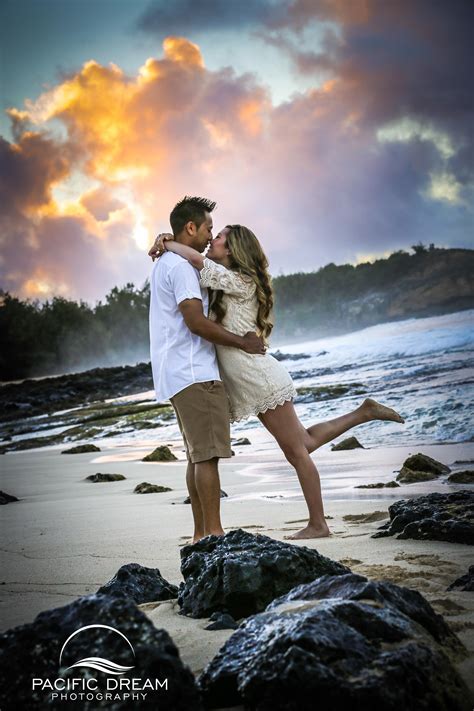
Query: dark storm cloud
[[185, 16]]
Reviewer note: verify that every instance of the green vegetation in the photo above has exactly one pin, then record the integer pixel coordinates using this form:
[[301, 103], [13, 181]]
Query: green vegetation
[[62, 335]]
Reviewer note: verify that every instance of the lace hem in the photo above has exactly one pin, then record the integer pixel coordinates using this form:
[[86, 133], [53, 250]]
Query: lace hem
[[279, 398]]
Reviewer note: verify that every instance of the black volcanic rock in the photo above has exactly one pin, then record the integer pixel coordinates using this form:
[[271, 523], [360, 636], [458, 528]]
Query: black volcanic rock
[[6, 498], [340, 641], [221, 621], [33, 650], [240, 573], [140, 584], [438, 517], [465, 582]]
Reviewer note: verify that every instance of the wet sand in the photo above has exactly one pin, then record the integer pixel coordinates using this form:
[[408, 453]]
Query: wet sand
[[66, 536]]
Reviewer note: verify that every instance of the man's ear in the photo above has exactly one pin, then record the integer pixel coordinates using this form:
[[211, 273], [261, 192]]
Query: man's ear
[[190, 228]]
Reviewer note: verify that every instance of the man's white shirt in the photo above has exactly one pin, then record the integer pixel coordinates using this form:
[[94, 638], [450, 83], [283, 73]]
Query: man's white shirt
[[178, 357]]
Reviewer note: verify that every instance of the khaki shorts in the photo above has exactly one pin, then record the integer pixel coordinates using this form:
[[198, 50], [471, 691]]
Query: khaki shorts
[[202, 410]]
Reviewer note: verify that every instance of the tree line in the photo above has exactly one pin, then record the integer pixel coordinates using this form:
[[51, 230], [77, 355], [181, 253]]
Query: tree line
[[61, 335]]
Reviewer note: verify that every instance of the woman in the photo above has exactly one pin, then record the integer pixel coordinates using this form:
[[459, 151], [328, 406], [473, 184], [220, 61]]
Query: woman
[[235, 268]]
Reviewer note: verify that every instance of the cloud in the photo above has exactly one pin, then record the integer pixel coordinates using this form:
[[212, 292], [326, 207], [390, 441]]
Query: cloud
[[370, 160], [187, 16]]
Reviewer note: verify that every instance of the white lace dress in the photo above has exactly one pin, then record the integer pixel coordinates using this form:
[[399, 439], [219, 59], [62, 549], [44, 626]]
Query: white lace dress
[[254, 383]]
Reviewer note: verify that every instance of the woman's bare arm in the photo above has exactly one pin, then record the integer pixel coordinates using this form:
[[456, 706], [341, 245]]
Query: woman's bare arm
[[192, 255]]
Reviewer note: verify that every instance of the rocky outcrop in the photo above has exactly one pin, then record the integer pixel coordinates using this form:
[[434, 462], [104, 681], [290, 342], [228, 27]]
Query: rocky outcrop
[[240, 573], [439, 517], [160, 454], [339, 638], [140, 584], [34, 650], [420, 467]]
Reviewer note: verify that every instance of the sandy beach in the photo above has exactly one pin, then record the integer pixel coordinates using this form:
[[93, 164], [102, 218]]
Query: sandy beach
[[66, 536]]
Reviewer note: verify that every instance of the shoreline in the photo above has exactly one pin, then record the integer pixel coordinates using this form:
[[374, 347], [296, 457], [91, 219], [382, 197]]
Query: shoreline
[[66, 537]]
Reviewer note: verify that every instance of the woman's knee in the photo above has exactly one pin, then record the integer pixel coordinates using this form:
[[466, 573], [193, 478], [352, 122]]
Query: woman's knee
[[294, 451]]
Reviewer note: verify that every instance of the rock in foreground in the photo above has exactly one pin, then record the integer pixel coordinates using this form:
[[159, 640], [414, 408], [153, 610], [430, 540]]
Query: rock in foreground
[[339, 642], [438, 517], [240, 573], [160, 454], [34, 650], [140, 584]]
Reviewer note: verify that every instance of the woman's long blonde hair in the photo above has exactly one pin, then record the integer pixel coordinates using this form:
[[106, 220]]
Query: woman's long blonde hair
[[248, 257]]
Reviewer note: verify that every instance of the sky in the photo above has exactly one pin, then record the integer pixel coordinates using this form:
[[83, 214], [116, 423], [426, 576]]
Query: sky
[[337, 130]]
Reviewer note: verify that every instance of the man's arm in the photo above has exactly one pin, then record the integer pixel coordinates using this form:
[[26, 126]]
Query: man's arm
[[198, 324]]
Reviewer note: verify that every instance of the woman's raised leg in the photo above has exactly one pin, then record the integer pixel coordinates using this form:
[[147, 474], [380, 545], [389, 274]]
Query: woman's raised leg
[[284, 425], [324, 432]]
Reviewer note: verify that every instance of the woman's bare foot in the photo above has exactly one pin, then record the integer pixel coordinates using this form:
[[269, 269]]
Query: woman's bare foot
[[376, 411], [310, 532]]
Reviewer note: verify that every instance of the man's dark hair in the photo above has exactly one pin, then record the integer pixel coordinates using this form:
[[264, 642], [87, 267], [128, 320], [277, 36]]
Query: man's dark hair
[[190, 209]]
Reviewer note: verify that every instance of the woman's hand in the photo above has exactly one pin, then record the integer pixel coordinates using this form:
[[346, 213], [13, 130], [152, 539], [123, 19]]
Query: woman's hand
[[159, 245]]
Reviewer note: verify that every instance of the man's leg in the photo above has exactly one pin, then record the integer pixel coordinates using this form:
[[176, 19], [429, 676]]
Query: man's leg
[[195, 502], [206, 477]]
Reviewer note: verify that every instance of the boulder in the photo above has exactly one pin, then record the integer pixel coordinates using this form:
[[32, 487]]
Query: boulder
[[339, 641], [160, 454], [240, 573], [81, 449], [146, 488], [34, 650], [6, 498], [240, 442], [140, 584], [348, 443], [439, 517], [98, 478], [420, 467], [465, 582], [463, 477], [187, 500]]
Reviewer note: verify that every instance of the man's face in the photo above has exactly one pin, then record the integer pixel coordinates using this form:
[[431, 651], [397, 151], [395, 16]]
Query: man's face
[[203, 234]]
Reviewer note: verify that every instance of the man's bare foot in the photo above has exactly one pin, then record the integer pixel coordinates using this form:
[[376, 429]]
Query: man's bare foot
[[310, 532], [376, 411]]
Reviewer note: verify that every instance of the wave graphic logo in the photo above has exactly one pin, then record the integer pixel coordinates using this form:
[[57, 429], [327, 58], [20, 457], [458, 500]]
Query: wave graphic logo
[[103, 665]]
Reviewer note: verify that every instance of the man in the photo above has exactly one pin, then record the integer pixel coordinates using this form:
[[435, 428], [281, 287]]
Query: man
[[184, 363]]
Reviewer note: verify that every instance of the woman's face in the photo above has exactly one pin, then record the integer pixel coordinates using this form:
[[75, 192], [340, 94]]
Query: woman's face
[[218, 251]]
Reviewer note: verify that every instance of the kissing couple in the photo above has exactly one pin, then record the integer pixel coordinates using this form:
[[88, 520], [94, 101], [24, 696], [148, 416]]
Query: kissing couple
[[210, 320]]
